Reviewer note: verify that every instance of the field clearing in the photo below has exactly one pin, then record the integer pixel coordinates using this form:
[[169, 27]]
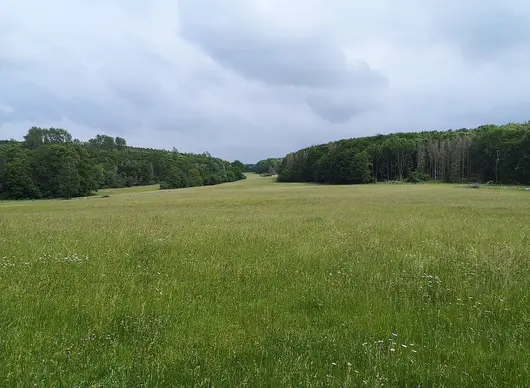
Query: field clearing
[[257, 283]]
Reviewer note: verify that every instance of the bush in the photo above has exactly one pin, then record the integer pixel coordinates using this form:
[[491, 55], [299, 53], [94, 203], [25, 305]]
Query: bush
[[417, 177]]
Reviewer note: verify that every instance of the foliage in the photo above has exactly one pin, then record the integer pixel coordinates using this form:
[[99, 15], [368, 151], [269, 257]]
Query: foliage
[[175, 179], [262, 284], [497, 153], [17, 180], [38, 136], [266, 166], [195, 178], [50, 164], [418, 176]]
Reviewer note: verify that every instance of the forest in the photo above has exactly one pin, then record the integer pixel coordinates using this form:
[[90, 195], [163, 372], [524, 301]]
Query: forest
[[49, 163], [265, 166], [488, 153]]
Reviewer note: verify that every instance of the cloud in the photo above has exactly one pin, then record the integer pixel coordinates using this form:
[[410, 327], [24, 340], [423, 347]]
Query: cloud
[[257, 78], [269, 44], [483, 30]]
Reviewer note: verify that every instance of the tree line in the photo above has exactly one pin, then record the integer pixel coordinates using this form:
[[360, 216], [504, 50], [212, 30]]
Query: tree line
[[265, 166], [49, 163], [499, 154]]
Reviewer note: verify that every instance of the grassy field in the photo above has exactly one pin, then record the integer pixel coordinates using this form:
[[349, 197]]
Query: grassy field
[[261, 284]]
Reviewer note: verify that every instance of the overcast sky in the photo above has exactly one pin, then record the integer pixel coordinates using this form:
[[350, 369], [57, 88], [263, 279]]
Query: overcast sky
[[250, 79]]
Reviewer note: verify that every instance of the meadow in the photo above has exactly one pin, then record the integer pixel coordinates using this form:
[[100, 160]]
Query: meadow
[[265, 284]]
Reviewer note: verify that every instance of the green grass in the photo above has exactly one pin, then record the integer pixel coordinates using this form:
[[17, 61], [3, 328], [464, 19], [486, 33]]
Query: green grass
[[128, 190], [261, 284]]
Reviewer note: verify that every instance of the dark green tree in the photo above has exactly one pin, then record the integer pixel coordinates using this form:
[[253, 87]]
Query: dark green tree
[[487, 153], [34, 138], [236, 164], [175, 179], [56, 136], [68, 180], [18, 179], [120, 143], [194, 178]]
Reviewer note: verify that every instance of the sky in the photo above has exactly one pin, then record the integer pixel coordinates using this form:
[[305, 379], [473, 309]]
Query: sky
[[251, 79]]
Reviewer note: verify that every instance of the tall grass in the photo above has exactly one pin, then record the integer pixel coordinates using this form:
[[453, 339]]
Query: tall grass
[[263, 284]]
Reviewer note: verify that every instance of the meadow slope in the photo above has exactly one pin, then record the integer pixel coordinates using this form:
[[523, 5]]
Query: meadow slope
[[257, 283]]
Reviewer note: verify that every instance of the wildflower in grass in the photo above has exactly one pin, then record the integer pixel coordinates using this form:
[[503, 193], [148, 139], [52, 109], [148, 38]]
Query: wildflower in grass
[[73, 259]]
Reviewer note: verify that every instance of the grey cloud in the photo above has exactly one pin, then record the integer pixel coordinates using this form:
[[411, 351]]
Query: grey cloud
[[37, 103], [26, 100], [250, 79], [335, 111], [307, 63], [483, 30], [311, 62]]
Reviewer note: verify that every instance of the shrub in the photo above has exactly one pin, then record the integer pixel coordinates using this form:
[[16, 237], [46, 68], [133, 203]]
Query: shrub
[[416, 177]]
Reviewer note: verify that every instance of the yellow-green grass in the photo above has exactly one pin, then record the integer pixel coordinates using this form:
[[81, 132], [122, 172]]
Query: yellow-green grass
[[262, 284], [128, 190]]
